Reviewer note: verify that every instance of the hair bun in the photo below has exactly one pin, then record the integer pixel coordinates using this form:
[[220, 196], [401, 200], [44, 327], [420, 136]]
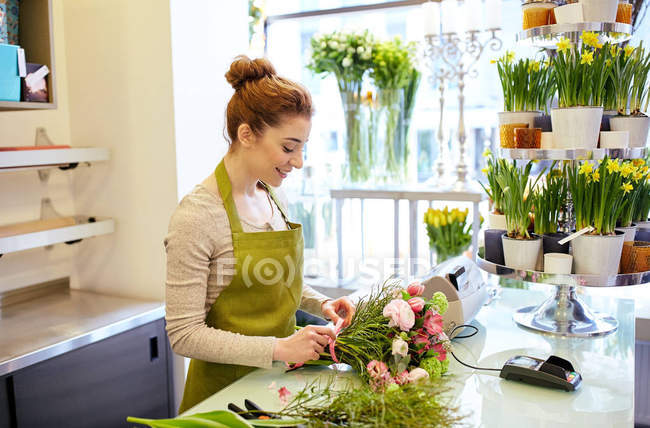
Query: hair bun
[[243, 70]]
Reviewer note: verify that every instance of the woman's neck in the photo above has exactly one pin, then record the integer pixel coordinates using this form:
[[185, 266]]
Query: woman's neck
[[242, 180]]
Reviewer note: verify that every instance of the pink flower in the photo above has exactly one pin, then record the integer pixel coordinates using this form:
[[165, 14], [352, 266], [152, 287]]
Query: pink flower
[[284, 395], [400, 313], [377, 369], [421, 337], [415, 289], [417, 304], [417, 374], [402, 378], [432, 323], [440, 349]]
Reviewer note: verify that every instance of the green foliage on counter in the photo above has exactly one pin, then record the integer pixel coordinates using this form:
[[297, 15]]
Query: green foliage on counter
[[216, 419]]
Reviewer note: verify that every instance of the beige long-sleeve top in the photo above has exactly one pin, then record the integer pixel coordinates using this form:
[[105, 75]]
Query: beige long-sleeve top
[[200, 263]]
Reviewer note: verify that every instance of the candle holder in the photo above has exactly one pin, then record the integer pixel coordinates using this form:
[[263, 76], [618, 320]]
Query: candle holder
[[459, 54]]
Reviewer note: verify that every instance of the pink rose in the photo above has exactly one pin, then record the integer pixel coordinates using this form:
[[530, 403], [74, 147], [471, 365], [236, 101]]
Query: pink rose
[[400, 313], [441, 350], [402, 378], [417, 374], [432, 323], [417, 303], [377, 369], [415, 289], [421, 337]]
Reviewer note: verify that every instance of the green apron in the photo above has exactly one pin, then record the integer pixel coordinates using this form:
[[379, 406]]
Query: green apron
[[261, 300]]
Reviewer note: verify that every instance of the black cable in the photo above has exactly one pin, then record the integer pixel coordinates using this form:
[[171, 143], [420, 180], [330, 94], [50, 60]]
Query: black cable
[[465, 337]]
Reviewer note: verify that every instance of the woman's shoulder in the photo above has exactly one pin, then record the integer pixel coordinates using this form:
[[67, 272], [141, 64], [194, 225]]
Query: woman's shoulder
[[198, 207]]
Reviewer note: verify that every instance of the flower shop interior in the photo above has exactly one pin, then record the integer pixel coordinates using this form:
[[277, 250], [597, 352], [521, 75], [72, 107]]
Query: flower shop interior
[[475, 184]]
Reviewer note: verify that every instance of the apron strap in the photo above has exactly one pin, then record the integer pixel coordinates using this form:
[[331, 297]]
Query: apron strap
[[277, 203], [225, 189]]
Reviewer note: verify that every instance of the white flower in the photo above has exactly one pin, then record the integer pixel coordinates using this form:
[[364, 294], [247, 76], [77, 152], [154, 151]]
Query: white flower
[[341, 47], [350, 50], [347, 61], [400, 347], [323, 45], [333, 44], [360, 50], [417, 374], [366, 56]]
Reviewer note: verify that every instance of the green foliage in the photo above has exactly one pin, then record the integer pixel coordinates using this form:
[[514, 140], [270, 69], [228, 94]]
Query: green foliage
[[517, 198], [492, 171], [216, 419], [549, 201], [527, 84]]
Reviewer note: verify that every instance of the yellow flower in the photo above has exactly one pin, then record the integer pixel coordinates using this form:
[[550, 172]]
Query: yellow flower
[[564, 44], [627, 169], [614, 50], [493, 61], [533, 66], [638, 162], [599, 46], [613, 166], [509, 56], [587, 58], [637, 176], [644, 169], [485, 171], [487, 152], [435, 221], [627, 187], [596, 176], [629, 50], [608, 62], [586, 168], [443, 220], [590, 38]]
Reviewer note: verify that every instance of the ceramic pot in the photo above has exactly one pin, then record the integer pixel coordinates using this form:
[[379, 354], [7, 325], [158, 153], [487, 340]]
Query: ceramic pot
[[597, 254], [508, 117], [494, 246], [629, 232], [637, 126], [521, 253], [569, 14], [599, 10], [496, 221], [576, 127], [558, 263], [614, 139]]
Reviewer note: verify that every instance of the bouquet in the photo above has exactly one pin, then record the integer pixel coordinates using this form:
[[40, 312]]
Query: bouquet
[[395, 337], [449, 232]]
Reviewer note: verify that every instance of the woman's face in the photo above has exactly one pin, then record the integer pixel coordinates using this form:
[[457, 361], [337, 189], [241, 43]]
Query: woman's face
[[280, 149]]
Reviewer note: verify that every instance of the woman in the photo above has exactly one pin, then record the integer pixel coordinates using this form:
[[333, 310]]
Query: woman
[[234, 261]]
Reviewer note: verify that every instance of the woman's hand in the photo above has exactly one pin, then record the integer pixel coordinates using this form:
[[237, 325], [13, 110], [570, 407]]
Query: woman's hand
[[341, 307], [304, 345]]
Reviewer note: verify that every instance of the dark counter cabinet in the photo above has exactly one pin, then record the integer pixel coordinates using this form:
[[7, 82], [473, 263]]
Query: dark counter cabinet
[[99, 385]]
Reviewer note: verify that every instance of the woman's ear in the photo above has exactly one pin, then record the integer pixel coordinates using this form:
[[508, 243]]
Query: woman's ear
[[245, 135]]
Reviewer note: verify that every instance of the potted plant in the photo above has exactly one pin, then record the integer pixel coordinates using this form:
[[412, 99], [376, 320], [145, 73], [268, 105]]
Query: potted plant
[[630, 70], [527, 88], [449, 232], [597, 192], [642, 210], [521, 248], [599, 10], [580, 74], [633, 172], [496, 218], [348, 56], [393, 65], [549, 201]]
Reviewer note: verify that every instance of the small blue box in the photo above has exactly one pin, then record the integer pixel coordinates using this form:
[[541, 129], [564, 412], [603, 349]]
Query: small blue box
[[9, 76]]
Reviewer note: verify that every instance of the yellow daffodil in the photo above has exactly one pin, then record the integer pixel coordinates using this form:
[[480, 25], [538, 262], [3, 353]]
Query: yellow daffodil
[[564, 45], [613, 166], [487, 153], [614, 50], [629, 50], [586, 168], [509, 56], [596, 176], [443, 220], [493, 61], [638, 162], [627, 187], [637, 176], [590, 38], [435, 221], [534, 66], [587, 58], [644, 169], [627, 169], [485, 171], [608, 62]]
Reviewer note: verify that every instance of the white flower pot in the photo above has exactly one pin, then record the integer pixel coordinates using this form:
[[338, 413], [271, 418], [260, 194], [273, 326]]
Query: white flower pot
[[628, 232], [597, 254], [497, 221], [576, 127], [508, 117], [547, 141], [521, 253], [614, 139], [599, 10], [643, 224], [569, 14], [637, 126]]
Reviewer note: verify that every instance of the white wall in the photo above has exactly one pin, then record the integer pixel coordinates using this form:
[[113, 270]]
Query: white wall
[[21, 192], [120, 97], [206, 36]]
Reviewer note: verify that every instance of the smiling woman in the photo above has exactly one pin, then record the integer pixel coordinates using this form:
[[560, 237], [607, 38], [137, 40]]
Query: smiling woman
[[234, 260]]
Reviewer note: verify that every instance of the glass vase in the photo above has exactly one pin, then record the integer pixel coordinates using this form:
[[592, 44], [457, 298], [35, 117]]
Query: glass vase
[[357, 167], [394, 141]]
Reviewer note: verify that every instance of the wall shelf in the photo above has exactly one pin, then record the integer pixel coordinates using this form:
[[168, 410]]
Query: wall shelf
[[50, 158], [85, 228]]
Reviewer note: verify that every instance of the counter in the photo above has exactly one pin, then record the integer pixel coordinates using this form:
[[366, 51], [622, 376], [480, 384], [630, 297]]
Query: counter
[[42, 328], [605, 399]]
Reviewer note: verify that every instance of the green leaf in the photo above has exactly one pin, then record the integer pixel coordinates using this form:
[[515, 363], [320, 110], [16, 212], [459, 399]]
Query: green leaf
[[277, 422], [216, 419]]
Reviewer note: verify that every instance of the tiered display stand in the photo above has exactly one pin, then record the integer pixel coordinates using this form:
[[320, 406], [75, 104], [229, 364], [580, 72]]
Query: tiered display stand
[[564, 313]]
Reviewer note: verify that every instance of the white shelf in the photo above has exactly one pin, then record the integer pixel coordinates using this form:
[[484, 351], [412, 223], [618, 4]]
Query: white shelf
[[83, 229], [572, 154], [547, 36], [50, 158]]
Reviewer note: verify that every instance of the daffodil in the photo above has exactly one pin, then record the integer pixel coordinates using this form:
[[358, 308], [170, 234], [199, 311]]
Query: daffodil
[[613, 166], [637, 176], [629, 50], [487, 152], [627, 187], [586, 168], [627, 169], [587, 58], [608, 62], [614, 50], [509, 56], [564, 45], [590, 38], [596, 176], [493, 61], [534, 66], [638, 162]]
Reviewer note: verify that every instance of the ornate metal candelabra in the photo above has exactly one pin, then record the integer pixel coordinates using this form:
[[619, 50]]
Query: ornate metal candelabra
[[452, 57]]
